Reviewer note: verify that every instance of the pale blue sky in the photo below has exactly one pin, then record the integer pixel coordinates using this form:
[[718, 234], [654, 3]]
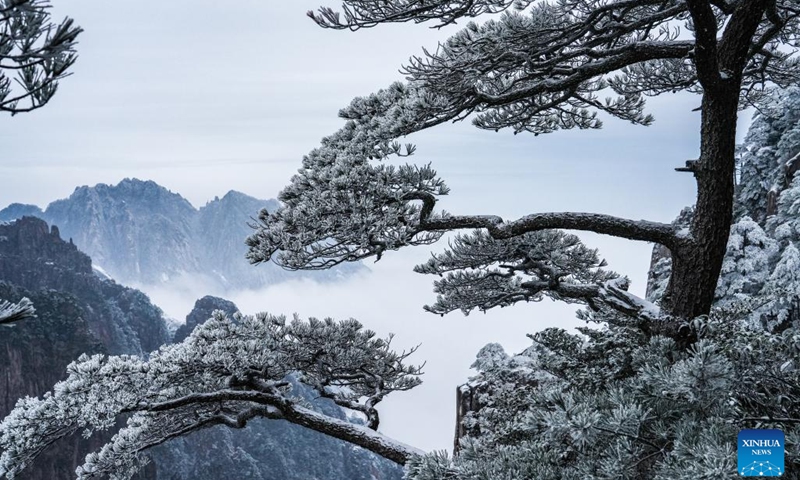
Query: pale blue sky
[[204, 97]]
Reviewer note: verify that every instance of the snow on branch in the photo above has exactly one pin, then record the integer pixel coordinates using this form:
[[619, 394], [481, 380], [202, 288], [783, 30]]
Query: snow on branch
[[481, 272], [14, 312], [642, 230], [34, 54], [538, 69], [225, 373], [368, 13], [344, 206]]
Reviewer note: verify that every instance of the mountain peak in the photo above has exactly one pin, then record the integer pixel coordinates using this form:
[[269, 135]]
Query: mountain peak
[[19, 210], [29, 243], [140, 232]]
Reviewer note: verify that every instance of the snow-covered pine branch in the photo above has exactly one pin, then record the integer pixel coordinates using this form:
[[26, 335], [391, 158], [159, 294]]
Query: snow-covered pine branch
[[34, 54], [540, 67], [480, 272], [13, 312], [226, 372]]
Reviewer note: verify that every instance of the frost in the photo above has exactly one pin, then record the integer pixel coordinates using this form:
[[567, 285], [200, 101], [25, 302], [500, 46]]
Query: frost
[[226, 372]]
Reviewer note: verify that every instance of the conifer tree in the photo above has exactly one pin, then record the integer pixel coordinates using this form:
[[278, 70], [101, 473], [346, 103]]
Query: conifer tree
[[537, 67]]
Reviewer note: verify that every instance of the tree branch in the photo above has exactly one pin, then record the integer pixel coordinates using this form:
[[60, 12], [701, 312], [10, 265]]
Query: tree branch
[[293, 413], [14, 312], [643, 230], [359, 435], [705, 33], [615, 59], [737, 39]]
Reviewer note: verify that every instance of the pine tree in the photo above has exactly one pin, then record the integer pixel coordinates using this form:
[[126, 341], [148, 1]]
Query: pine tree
[[538, 67], [655, 391]]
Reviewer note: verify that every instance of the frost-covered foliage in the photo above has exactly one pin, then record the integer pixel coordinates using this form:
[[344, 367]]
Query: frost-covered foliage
[[762, 270], [226, 372], [650, 394], [34, 54], [13, 312], [747, 261], [771, 144], [617, 403], [481, 272], [786, 222], [761, 262], [537, 67], [623, 402]]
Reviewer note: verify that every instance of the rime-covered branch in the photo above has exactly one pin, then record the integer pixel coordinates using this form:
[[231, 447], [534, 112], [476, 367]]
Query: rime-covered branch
[[34, 54], [14, 312], [226, 372], [368, 13], [539, 68], [481, 272], [642, 230]]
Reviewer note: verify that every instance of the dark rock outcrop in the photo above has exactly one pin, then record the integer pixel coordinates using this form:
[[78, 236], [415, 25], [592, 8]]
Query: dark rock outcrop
[[34, 257], [201, 312]]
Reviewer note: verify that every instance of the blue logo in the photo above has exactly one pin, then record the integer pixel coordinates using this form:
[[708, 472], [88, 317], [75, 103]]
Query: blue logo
[[760, 453]]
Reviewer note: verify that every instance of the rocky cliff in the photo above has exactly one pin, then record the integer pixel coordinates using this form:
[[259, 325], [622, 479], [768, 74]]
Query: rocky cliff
[[34, 257], [77, 312], [202, 311]]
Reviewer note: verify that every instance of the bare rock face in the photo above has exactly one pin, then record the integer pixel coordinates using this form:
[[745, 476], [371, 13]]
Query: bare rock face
[[136, 231], [31, 254], [467, 401], [34, 257]]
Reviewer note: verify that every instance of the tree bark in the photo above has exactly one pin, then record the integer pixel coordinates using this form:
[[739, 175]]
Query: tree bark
[[697, 261]]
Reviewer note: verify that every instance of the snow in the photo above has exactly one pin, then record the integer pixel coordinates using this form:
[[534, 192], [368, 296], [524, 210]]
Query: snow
[[100, 272]]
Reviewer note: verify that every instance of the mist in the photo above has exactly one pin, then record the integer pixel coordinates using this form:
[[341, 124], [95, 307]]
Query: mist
[[388, 299]]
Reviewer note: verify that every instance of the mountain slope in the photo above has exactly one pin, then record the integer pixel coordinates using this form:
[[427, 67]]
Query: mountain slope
[[77, 312]]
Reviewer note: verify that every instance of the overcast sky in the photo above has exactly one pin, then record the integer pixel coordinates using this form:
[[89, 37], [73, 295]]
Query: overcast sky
[[208, 96]]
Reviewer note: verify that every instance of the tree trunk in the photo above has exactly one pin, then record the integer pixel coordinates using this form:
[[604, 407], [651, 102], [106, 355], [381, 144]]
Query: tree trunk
[[697, 261]]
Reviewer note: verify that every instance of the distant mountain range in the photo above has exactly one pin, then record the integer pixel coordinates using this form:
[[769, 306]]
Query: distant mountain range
[[138, 232]]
